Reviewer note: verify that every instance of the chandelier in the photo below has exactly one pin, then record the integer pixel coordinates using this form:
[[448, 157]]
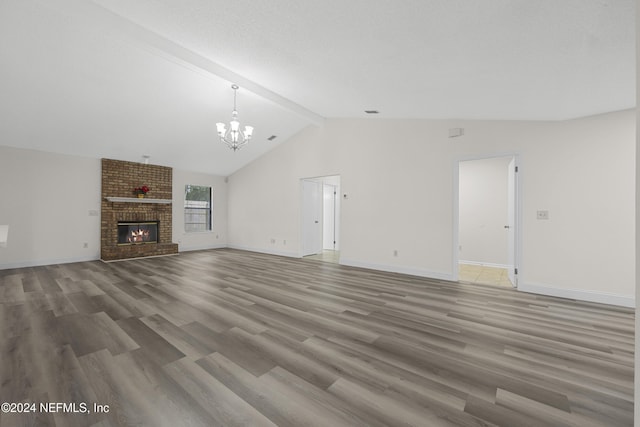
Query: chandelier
[[233, 137]]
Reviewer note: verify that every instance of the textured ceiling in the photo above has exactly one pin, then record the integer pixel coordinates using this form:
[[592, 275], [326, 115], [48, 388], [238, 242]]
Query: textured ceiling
[[121, 78]]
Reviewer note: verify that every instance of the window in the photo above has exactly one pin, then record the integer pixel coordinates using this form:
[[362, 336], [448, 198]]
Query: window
[[197, 208]]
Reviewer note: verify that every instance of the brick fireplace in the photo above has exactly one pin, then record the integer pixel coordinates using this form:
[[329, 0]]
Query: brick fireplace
[[120, 205]]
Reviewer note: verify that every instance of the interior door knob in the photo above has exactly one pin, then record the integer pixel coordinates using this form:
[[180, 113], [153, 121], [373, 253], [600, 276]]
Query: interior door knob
[[506, 226]]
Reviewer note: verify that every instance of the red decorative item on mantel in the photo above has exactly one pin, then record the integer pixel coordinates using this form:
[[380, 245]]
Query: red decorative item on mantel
[[141, 191]]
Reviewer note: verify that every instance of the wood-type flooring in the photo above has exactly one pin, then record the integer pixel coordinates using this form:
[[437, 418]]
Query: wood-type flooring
[[234, 338]]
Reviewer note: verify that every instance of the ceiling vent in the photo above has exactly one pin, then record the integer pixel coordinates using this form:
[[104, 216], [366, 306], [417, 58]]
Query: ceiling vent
[[272, 137], [372, 111]]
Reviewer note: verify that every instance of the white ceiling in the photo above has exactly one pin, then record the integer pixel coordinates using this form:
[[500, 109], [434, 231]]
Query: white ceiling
[[123, 79]]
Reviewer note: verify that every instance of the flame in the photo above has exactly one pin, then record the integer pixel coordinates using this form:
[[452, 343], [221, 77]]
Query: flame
[[138, 235]]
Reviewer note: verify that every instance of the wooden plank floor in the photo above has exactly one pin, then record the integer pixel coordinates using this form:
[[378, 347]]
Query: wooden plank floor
[[227, 338]]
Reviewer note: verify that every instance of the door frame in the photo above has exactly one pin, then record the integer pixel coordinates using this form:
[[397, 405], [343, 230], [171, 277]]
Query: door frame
[[303, 226], [334, 202], [517, 206], [320, 179]]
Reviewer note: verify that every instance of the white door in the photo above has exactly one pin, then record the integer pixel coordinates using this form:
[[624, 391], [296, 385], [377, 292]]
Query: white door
[[311, 217], [329, 217], [511, 222]]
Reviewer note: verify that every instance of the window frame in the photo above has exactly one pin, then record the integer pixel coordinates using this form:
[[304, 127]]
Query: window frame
[[191, 210]]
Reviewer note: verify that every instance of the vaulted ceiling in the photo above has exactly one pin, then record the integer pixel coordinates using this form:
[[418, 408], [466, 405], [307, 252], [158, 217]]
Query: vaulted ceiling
[[122, 79]]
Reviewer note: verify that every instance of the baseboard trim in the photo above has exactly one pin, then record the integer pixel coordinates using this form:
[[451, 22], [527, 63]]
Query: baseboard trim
[[43, 262], [109, 261], [396, 269], [579, 294], [484, 264], [265, 251], [199, 247]]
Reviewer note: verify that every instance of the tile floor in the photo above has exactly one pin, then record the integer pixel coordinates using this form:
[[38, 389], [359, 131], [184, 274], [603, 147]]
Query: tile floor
[[326, 256], [484, 275]]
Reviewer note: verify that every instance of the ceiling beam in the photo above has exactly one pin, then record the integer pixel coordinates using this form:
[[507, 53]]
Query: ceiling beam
[[173, 52]]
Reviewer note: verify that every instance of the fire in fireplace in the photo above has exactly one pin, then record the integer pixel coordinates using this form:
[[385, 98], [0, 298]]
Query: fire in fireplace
[[134, 233]]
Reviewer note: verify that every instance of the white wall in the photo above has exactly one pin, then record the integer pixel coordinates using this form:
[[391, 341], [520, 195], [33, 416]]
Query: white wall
[[45, 199], [483, 211], [398, 177], [217, 237]]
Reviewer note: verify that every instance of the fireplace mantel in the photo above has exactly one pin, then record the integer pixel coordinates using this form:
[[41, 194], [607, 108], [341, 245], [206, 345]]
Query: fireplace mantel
[[139, 200]]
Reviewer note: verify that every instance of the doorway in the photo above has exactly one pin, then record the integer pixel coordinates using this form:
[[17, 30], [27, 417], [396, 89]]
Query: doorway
[[321, 218], [487, 226]]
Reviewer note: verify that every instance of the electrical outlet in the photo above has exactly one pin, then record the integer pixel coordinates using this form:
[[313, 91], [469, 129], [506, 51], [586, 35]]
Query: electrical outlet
[[395, 252], [284, 242], [273, 241], [542, 215], [85, 245]]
